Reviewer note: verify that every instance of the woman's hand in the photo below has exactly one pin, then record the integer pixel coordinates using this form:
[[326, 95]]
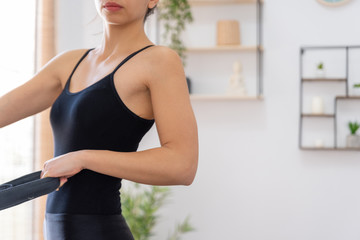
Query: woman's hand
[[63, 166]]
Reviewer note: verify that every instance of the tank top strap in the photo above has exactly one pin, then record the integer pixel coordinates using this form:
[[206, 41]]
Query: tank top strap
[[129, 57], [76, 66]]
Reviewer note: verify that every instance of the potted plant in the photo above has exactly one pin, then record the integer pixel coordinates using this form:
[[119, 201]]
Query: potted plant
[[140, 205], [320, 71], [356, 87], [175, 14], [353, 140]]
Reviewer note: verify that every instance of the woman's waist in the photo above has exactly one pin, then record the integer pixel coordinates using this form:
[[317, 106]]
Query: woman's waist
[[83, 217], [81, 195], [60, 203], [62, 226]]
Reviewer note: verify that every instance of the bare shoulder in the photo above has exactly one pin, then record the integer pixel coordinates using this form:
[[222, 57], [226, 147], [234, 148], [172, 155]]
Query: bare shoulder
[[68, 57], [164, 55], [64, 59], [163, 63], [63, 63]]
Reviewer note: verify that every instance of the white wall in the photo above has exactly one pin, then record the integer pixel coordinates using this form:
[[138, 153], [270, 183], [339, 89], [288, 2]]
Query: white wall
[[253, 182]]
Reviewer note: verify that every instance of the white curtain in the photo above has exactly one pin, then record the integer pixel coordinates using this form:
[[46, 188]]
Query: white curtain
[[17, 48]]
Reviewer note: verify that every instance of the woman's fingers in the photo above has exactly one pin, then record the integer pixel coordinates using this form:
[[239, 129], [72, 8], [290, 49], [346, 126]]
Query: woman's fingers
[[43, 174], [63, 167], [63, 180]]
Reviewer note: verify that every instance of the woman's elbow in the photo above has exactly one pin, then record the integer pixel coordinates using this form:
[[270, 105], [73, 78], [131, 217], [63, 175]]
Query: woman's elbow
[[184, 167], [189, 180], [188, 173]]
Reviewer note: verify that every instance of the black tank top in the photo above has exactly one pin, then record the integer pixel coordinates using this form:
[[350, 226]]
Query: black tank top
[[93, 118]]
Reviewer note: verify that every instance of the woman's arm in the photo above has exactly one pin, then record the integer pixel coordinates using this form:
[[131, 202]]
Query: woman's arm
[[175, 162], [38, 93]]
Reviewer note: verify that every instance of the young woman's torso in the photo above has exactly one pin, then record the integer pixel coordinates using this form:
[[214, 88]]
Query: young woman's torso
[[130, 79]]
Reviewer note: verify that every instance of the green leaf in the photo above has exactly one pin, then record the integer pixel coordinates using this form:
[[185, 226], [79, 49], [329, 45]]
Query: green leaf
[[320, 65], [353, 126], [140, 209], [181, 228], [175, 14]]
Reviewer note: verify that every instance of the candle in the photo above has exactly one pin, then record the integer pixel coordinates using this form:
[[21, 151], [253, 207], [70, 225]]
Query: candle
[[317, 105], [319, 143]]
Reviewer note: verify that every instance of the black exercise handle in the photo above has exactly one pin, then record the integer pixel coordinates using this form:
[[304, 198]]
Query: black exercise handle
[[26, 188]]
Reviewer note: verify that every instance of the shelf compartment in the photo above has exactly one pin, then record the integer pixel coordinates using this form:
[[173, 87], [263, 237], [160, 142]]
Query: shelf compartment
[[224, 97], [324, 79], [221, 2], [252, 49], [317, 115], [224, 48]]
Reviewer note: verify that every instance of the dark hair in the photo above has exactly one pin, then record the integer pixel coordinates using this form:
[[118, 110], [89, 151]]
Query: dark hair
[[149, 12]]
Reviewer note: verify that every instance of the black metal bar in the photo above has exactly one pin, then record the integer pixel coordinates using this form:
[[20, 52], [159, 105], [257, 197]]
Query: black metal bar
[[261, 70], [258, 93], [335, 124], [301, 97], [261, 75], [347, 71]]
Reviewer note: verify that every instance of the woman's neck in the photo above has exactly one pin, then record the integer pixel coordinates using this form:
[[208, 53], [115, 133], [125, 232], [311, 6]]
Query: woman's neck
[[123, 39]]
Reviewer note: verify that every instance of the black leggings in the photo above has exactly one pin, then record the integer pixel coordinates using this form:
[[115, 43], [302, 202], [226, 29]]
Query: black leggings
[[86, 227]]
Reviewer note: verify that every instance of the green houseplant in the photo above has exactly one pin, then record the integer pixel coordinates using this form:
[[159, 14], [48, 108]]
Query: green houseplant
[[320, 71], [174, 15], [353, 140], [320, 66], [140, 205]]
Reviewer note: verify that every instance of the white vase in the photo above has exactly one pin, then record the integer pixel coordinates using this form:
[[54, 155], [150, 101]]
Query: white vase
[[320, 73], [356, 91], [353, 141]]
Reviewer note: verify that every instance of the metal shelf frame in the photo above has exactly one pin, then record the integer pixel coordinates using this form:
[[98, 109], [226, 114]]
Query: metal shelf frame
[[259, 51], [345, 80]]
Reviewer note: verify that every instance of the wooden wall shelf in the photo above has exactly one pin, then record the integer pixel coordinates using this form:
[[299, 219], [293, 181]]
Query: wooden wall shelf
[[329, 149], [318, 115], [221, 2], [224, 97], [224, 48], [324, 80]]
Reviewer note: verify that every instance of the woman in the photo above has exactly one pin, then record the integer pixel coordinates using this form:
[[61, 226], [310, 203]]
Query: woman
[[100, 111]]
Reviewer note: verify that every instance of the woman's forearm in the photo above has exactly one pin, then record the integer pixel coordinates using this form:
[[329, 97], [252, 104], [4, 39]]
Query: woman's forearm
[[157, 166]]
